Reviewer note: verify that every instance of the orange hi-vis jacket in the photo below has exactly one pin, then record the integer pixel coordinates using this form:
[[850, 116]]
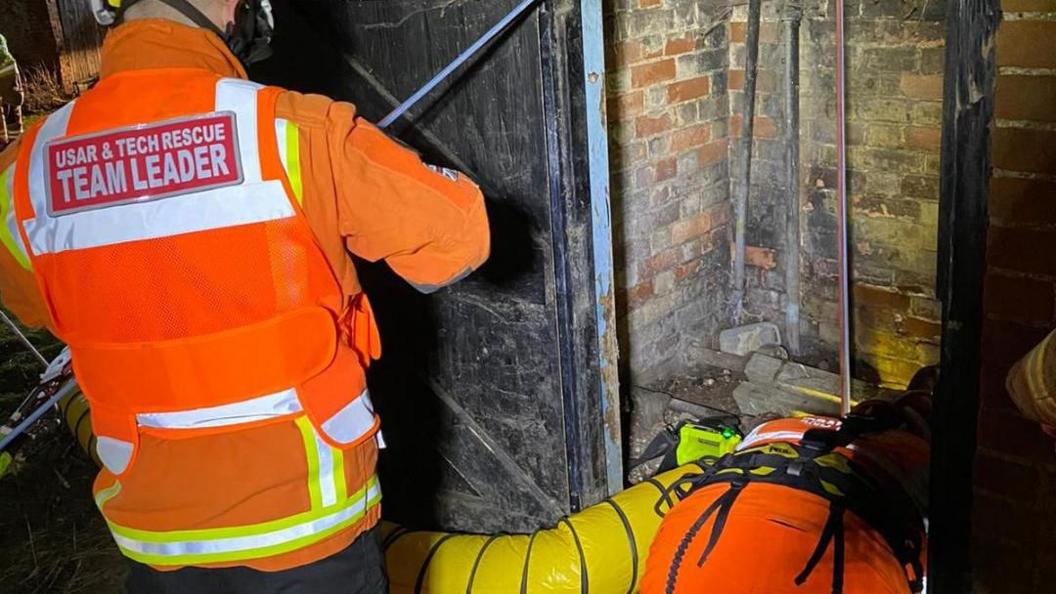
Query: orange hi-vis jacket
[[173, 221]]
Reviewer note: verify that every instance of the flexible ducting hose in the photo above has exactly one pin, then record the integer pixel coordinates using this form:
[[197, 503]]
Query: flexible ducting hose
[[77, 416], [600, 550]]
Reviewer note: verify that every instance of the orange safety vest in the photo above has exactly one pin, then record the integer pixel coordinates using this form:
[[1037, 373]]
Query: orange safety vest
[[169, 244]]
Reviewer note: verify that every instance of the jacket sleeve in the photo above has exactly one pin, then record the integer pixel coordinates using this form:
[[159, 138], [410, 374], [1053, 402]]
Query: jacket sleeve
[[428, 223], [18, 285]]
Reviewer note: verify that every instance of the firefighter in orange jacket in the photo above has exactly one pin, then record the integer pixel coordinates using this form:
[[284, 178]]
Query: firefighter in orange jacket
[[184, 231]]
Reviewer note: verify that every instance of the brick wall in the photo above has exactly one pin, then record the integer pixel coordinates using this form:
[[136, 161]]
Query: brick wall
[[1015, 512], [894, 100], [668, 129]]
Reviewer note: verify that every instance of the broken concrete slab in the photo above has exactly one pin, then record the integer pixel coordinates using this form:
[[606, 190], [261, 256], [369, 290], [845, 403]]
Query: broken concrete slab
[[744, 340], [797, 377], [696, 354], [762, 368], [762, 399]]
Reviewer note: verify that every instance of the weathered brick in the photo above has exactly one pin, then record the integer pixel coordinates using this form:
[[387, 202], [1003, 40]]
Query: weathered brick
[[890, 59], [657, 263], [920, 328], [691, 228], [652, 73], [649, 3], [690, 137], [760, 257], [714, 151], [648, 126], [1024, 149], [925, 139], [1020, 299], [1001, 476], [762, 126], [688, 89], [1005, 342], [688, 269], [881, 135], [738, 31], [1027, 44], [625, 106], [680, 45], [639, 294], [1015, 201], [922, 86], [881, 109], [666, 169], [1028, 5], [632, 52], [867, 296], [1020, 250], [1022, 97]]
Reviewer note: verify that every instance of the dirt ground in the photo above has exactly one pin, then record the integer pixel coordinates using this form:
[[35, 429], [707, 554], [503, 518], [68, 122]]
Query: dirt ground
[[52, 539]]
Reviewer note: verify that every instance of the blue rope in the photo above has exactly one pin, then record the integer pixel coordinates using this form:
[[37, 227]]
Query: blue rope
[[460, 60]]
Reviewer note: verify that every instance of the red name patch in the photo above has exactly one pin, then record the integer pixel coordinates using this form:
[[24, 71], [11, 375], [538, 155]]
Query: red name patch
[[142, 163]]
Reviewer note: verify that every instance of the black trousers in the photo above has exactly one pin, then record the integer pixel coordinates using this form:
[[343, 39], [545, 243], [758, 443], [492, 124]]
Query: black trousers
[[359, 569]]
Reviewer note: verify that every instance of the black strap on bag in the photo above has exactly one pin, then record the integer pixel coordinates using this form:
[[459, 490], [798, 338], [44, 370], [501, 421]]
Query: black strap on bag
[[813, 466]]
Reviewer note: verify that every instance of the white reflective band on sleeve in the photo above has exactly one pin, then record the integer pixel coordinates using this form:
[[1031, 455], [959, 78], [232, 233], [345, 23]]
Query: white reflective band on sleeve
[[257, 409], [240, 97], [114, 453], [243, 543], [202, 211], [353, 421]]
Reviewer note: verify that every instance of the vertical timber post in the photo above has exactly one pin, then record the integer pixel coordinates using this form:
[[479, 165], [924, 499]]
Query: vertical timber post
[[968, 104]]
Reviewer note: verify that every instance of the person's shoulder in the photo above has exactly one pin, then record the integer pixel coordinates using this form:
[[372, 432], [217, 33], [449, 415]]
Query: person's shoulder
[[311, 110]]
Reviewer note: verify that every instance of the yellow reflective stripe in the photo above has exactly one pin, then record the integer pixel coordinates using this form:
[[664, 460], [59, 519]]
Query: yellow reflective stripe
[[8, 223], [107, 494], [293, 160], [270, 551], [308, 436], [248, 530], [339, 473]]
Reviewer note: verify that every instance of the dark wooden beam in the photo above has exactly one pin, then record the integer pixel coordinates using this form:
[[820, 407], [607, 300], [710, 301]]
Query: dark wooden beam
[[971, 26]]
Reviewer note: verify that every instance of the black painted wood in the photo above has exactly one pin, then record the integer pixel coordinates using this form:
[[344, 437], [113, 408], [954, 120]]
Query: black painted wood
[[487, 391], [968, 110]]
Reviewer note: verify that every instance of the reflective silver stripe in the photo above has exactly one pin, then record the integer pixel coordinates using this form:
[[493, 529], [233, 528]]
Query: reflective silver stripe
[[327, 482], [353, 421], [753, 439], [53, 127], [249, 543], [254, 201], [282, 141], [115, 454], [240, 97], [257, 409], [202, 211]]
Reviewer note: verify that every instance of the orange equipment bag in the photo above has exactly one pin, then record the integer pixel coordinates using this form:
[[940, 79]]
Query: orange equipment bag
[[801, 518]]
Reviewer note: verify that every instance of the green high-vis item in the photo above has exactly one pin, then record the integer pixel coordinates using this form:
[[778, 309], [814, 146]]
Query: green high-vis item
[[699, 441]]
